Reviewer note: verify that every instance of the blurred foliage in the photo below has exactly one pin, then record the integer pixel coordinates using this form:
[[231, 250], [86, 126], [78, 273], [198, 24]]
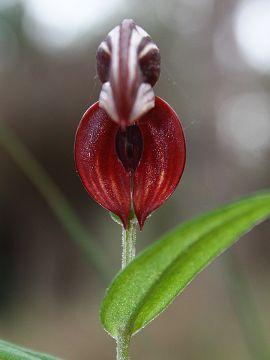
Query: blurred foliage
[[55, 199], [48, 291]]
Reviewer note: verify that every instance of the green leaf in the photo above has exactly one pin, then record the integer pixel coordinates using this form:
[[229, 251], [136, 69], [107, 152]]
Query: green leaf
[[151, 282], [10, 351]]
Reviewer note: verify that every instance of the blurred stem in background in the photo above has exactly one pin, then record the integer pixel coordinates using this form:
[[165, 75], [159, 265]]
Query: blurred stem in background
[[245, 306], [61, 208]]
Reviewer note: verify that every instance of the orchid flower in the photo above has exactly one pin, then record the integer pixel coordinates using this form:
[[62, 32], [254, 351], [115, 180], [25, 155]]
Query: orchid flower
[[130, 147]]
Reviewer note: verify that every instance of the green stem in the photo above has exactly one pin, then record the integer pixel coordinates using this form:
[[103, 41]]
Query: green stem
[[242, 298], [128, 242], [128, 254], [54, 198], [122, 348]]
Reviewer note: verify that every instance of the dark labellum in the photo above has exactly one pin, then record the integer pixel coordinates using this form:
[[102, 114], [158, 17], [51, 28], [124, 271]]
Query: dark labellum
[[129, 146]]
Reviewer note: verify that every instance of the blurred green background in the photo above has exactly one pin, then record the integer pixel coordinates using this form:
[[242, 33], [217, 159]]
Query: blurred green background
[[215, 73]]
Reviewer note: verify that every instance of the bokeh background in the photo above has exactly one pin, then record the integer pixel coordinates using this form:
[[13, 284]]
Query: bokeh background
[[215, 73]]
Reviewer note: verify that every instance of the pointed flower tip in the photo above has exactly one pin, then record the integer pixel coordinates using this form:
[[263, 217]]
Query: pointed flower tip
[[141, 223], [124, 222]]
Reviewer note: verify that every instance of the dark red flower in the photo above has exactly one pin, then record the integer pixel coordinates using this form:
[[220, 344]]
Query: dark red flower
[[139, 166], [130, 147]]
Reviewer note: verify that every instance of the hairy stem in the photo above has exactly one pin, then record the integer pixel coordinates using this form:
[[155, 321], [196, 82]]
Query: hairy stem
[[122, 348], [128, 242], [128, 254]]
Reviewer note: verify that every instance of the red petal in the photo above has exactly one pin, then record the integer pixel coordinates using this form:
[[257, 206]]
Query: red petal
[[162, 162], [101, 172]]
